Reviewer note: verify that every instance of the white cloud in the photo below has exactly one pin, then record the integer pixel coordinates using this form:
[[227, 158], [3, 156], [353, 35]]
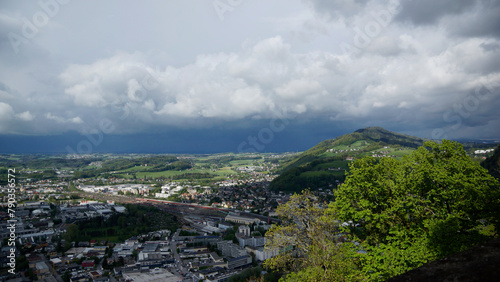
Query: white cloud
[[6, 115], [298, 88], [413, 71], [6, 111], [58, 119], [25, 116], [267, 77]]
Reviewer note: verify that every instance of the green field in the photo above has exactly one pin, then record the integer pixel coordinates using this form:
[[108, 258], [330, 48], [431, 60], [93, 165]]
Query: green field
[[333, 164], [322, 173], [398, 152], [365, 151], [213, 168]]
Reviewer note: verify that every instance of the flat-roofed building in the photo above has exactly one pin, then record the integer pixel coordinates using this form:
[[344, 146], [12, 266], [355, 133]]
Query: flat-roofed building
[[241, 220], [229, 249], [239, 262]]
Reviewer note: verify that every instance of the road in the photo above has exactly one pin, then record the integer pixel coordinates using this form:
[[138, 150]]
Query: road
[[177, 269]]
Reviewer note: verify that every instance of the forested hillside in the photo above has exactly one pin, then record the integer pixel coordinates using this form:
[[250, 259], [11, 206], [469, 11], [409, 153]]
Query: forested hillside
[[324, 165]]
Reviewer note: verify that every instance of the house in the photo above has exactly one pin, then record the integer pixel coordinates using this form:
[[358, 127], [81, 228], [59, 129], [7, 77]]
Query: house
[[216, 257], [210, 273], [42, 270], [88, 263], [33, 260], [95, 274], [79, 278]]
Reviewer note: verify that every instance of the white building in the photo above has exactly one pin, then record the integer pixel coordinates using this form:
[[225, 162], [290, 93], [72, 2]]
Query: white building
[[483, 151], [120, 209], [245, 230], [240, 219], [261, 254]]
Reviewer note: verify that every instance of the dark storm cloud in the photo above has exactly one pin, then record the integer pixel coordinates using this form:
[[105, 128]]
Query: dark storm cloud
[[482, 21], [490, 46], [427, 12]]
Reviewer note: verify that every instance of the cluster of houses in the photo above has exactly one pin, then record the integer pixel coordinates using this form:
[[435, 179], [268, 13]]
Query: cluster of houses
[[201, 255], [196, 256], [382, 154], [478, 152], [135, 189], [341, 151], [39, 229], [39, 190], [87, 210], [170, 189]]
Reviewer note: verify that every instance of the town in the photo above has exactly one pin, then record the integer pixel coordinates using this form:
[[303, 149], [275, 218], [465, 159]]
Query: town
[[80, 229]]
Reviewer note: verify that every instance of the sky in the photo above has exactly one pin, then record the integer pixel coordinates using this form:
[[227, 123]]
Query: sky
[[243, 75]]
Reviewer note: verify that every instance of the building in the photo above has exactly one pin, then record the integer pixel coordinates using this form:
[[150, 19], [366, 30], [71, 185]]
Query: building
[[216, 257], [206, 239], [150, 247], [225, 226], [229, 249], [42, 270], [95, 274], [220, 278], [261, 254], [245, 230], [251, 241], [120, 209], [88, 263], [210, 273], [241, 220], [156, 274], [239, 262]]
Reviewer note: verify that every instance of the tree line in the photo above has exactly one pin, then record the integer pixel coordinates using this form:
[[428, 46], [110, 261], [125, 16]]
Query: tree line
[[137, 220]]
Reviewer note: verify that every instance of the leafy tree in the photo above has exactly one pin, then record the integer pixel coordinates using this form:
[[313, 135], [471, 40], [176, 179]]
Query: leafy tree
[[313, 236], [230, 234], [29, 273], [22, 263], [72, 233], [249, 274], [406, 213], [310, 175], [66, 276], [492, 163]]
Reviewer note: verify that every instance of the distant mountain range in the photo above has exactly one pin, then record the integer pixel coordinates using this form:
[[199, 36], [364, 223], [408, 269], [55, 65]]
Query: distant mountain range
[[324, 165]]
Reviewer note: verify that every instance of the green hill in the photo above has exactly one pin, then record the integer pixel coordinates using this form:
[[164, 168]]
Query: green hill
[[324, 165], [364, 140]]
